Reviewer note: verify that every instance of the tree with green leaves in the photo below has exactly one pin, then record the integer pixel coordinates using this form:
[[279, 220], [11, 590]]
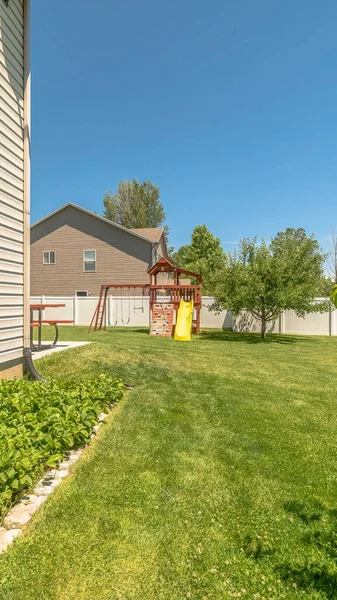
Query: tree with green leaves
[[135, 205], [266, 279], [332, 257], [203, 255], [333, 295]]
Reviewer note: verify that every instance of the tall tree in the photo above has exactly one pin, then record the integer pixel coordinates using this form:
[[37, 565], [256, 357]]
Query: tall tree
[[332, 256], [135, 205], [203, 255], [265, 279]]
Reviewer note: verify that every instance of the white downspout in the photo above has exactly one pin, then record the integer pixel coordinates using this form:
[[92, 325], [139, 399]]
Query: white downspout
[[26, 179]]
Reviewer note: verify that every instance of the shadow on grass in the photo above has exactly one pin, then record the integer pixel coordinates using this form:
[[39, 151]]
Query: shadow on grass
[[125, 329], [312, 576], [321, 534], [253, 338], [307, 512]]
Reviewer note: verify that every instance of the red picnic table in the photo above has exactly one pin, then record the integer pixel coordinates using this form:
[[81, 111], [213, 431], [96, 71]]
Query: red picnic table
[[39, 322]]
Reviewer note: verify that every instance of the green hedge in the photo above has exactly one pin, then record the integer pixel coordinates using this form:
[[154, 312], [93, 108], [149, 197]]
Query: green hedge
[[40, 421]]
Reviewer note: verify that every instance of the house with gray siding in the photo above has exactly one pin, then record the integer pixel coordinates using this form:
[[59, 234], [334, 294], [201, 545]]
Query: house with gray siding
[[14, 185], [74, 251]]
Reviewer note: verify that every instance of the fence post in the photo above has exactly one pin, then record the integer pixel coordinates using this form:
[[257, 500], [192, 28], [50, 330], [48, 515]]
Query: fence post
[[75, 310], [110, 309], [333, 320]]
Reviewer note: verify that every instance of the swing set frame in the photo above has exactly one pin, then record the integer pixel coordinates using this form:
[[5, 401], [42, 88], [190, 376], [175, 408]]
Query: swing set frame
[[127, 320], [176, 291]]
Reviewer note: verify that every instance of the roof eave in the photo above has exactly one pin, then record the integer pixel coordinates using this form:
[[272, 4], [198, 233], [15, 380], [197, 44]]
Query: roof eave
[[92, 214]]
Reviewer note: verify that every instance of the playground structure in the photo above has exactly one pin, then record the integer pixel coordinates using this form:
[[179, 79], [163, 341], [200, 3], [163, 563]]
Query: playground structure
[[165, 298]]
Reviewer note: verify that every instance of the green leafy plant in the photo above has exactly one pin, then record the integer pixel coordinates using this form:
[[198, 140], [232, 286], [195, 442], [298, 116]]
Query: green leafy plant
[[40, 421]]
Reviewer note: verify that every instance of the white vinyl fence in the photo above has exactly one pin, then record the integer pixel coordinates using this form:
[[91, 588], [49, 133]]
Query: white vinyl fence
[[129, 311], [134, 311], [312, 324]]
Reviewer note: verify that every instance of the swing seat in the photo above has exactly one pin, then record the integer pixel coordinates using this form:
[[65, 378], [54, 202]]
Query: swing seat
[[124, 315]]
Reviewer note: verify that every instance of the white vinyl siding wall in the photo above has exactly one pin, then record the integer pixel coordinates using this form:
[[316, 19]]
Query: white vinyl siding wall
[[11, 179]]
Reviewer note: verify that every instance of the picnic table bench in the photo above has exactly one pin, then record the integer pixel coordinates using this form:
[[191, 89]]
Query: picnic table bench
[[37, 323]]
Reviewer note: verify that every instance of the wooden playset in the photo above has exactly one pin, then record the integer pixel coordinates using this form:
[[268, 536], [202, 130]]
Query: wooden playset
[[165, 298]]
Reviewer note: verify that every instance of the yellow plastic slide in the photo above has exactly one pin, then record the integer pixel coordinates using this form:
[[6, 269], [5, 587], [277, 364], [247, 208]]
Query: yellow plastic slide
[[183, 327]]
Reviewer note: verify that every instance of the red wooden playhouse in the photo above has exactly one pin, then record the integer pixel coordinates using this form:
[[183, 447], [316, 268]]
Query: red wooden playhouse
[[165, 289]]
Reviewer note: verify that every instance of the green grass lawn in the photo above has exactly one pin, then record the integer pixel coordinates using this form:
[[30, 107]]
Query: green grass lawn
[[215, 478]]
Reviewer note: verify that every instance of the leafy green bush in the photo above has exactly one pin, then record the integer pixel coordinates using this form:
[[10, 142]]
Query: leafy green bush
[[40, 421]]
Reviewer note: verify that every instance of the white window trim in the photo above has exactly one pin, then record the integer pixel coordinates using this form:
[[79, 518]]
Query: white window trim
[[86, 260], [48, 252], [82, 291]]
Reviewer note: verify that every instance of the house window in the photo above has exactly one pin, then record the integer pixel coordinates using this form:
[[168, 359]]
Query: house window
[[49, 258], [82, 294], [89, 261]]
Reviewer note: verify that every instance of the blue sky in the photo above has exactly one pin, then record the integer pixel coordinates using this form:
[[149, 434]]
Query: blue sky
[[230, 107]]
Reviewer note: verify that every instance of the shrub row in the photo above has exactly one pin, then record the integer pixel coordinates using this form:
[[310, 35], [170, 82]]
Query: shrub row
[[40, 421]]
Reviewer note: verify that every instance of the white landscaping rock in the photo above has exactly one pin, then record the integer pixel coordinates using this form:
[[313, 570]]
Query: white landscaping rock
[[101, 417], [7, 537], [43, 489], [75, 455], [61, 473], [19, 516], [65, 464], [40, 500], [50, 474], [29, 499], [55, 483]]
